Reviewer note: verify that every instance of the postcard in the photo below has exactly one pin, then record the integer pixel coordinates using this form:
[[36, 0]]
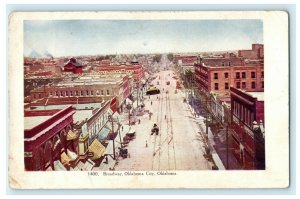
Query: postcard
[[193, 99]]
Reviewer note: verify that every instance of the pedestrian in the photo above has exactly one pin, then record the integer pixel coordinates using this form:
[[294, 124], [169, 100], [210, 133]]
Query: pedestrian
[[151, 102], [122, 127], [139, 121], [165, 116]]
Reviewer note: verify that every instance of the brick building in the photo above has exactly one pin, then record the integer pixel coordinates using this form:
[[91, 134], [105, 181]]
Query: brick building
[[220, 78], [84, 90], [73, 66], [136, 70], [256, 53], [49, 140], [247, 116]]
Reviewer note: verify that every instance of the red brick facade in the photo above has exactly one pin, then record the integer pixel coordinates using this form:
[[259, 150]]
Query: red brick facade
[[220, 79], [248, 145], [45, 142]]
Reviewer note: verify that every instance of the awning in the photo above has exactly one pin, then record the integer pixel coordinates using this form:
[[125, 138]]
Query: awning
[[72, 155], [128, 101], [110, 148], [97, 149], [65, 159], [58, 166], [71, 135], [116, 116], [102, 135]]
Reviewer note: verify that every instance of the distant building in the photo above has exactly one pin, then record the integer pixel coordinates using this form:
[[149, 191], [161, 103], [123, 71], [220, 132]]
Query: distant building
[[73, 66], [248, 134], [88, 89], [135, 70], [256, 53]]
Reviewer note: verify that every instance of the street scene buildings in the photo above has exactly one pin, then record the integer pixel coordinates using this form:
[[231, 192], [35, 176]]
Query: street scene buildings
[[142, 111]]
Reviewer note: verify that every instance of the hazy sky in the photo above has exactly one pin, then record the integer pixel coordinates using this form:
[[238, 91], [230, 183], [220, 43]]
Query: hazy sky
[[92, 37]]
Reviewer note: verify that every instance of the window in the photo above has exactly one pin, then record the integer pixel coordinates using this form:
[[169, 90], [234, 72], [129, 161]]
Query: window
[[216, 86], [262, 84], [61, 93], [226, 86], [81, 93], [252, 74], [67, 93], [243, 84], [107, 92], [215, 75], [226, 75], [102, 92], [87, 92], [56, 93], [262, 74], [229, 63], [243, 74], [253, 85], [76, 93], [223, 64], [238, 85], [237, 75], [92, 93]]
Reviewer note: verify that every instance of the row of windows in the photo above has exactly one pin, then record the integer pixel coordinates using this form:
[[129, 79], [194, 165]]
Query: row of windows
[[238, 85], [243, 113], [238, 75], [78, 93]]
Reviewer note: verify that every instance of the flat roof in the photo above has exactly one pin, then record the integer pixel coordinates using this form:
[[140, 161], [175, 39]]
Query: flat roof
[[30, 122], [258, 95], [82, 115]]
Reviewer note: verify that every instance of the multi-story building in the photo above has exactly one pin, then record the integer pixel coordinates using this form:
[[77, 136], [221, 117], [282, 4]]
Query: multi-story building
[[247, 124], [220, 78], [82, 89], [49, 140]]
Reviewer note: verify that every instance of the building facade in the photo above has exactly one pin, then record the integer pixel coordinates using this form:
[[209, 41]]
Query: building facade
[[77, 91], [220, 79], [247, 116], [49, 138]]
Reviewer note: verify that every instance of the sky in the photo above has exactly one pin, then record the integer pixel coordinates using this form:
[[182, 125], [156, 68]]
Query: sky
[[100, 37]]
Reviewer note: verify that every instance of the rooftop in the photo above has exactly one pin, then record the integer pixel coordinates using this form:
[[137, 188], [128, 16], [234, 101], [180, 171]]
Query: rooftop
[[82, 115], [30, 122], [258, 95]]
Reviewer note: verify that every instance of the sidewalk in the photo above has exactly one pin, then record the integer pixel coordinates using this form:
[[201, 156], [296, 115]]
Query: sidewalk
[[211, 142]]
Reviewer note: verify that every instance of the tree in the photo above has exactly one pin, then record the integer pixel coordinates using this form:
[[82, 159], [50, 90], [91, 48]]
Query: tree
[[157, 57], [100, 58], [170, 56]]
